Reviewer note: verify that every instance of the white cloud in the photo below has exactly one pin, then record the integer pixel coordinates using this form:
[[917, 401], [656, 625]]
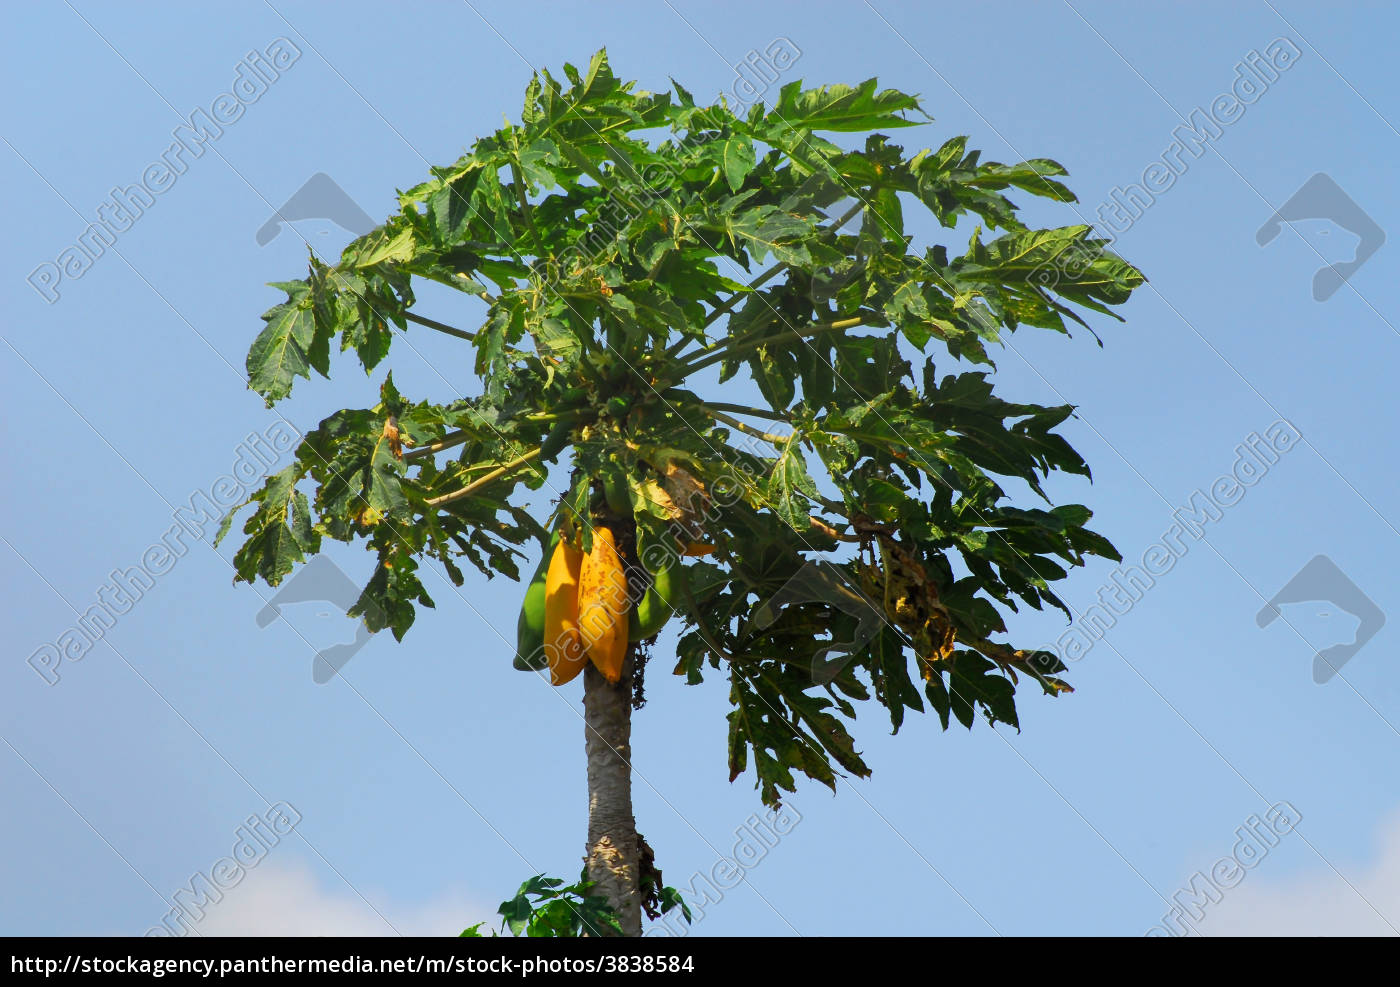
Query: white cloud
[[287, 899], [1317, 902]]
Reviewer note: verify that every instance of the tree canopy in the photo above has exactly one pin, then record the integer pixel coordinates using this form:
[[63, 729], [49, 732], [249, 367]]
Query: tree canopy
[[624, 243]]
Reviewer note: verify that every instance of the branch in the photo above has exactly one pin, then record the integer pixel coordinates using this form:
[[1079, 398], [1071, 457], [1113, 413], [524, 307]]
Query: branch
[[733, 300], [829, 531], [771, 438], [783, 337], [476, 485], [457, 438], [446, 442], [439, 326], [849, 213], [740, 409]]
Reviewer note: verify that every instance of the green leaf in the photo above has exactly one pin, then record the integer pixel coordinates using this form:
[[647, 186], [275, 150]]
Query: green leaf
[[273, 547], [790, 485], [671, 898], [516, 913], [286, 348], [738, 160], [450, 209], [769, 230], [383, 245], [842, 108]]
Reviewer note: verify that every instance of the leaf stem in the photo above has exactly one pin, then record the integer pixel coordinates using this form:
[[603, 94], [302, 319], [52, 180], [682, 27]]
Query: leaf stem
[[783, 337], [829, 531], [770, 437], [740, 409], [733, 299], [457, 438], [446, 442], [439, 326], [494, 475]]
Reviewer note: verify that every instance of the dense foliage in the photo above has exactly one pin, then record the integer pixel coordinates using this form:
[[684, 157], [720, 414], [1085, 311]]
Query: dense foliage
[[625, 242]]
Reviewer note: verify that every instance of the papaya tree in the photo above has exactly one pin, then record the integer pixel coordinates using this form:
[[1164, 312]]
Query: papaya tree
[[845, 537]]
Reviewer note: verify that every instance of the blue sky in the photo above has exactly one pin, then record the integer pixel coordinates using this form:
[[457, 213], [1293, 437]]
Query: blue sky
[[430, 778]]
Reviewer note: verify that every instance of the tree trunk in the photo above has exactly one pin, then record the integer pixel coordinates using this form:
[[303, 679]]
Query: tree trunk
[[614, 851]]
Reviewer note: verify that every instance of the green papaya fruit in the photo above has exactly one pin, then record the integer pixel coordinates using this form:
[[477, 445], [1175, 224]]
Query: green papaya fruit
[[557, 439], [615, 491], [663, 599], [618, 405], [529, 629]]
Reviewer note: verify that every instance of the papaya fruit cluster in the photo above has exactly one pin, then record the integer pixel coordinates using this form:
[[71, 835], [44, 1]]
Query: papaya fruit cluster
[[581, 608]]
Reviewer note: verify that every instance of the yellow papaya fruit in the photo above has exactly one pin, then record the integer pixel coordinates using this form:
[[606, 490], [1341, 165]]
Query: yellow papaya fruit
[[563, 643], [603, 606]]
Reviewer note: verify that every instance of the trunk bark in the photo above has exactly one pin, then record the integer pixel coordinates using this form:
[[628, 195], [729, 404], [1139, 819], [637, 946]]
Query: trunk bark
[[614, 850]]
